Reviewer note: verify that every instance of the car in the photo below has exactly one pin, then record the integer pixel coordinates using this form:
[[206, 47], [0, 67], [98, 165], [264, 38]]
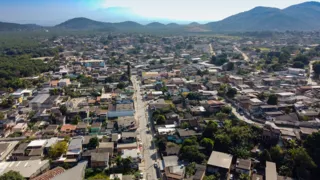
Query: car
[[155, 165]]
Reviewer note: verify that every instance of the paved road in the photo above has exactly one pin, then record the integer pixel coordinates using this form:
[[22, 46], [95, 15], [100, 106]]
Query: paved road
[[245, 57], [149, 151], [211, 50], [310, 80]]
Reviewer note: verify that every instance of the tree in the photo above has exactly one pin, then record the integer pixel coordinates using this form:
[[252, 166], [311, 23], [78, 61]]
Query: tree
[[302, 58], [93, 143], [240, 152], [1, 116], [190, 169], [301, 162], [210, 129], [160, 119], [230, 66], [63, 109], [244, 177], [276, 154], [120, 85], [265, 156], [312, 145], [76, 119], [298, 64], [221, 116], [226, 109], [316, 68], [11, 175], [231, 93], [272, 100], [208, 144], [184, 125], [58, 149]]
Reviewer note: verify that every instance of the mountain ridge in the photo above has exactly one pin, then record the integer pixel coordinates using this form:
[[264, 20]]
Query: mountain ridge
[[299, 17]]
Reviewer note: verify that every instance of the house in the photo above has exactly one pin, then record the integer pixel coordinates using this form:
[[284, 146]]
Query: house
[[158, 104], [296, 71], [186, 133], [50, 174], [271, 171], [236, 80], [19, 152], [74, 149], [304, 132], [133, 153], [20, 127], [99, 160], [171, 149], [308, 114], [50, 131], [93, 63], [6, 148], [75, 173], [126, 146], [256, 177], [270, 134], [37, 101], [197, 110], [200, 172], [128, 137], [120, 110], [64, 83], [28, 169], [95, 128], [254, 104], [219, 163], [271, 82], [106, 98], [106, 147], [68, 129], [126, 123], [243, 166], [212, 105], [174, 172], [82, 128]]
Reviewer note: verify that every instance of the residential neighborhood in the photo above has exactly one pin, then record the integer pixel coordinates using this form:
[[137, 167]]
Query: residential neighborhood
[[133, 106]]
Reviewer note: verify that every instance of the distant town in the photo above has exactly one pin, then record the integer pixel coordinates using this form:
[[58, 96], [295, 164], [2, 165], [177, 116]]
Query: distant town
[[123, 106]]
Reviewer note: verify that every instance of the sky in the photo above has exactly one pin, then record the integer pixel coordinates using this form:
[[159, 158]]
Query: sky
[[56, 11]]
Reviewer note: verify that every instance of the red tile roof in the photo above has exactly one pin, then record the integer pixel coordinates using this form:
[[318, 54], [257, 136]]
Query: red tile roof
[[50, 174]]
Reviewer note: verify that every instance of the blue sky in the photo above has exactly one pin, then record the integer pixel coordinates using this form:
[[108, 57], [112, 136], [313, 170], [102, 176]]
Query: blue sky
[[55, 11]]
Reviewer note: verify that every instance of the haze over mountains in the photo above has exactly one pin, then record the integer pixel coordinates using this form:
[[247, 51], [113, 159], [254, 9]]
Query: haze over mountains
[[300, 17]]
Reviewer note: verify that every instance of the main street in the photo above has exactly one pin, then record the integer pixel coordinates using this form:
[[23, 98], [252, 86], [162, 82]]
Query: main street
[[149, 151], [245, 57]]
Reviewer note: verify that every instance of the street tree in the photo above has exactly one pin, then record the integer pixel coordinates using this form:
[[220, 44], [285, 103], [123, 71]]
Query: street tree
[[76, 119], [11, 175], [231, 93], [208, 144], [58, 149], [93, 143], [316, 68]]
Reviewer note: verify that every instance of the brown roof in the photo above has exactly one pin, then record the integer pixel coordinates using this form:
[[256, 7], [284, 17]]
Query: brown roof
[[244, 164], [50, 174], [68, 127]]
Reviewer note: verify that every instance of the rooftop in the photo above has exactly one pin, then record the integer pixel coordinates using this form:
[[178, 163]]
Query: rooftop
[[26, 168], [37, 143], [219, 159]]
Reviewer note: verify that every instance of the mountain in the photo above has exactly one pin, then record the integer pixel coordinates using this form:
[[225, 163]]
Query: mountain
[[5, 26], [82, 23], [156, 25], [126, 25], [301, 17]]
